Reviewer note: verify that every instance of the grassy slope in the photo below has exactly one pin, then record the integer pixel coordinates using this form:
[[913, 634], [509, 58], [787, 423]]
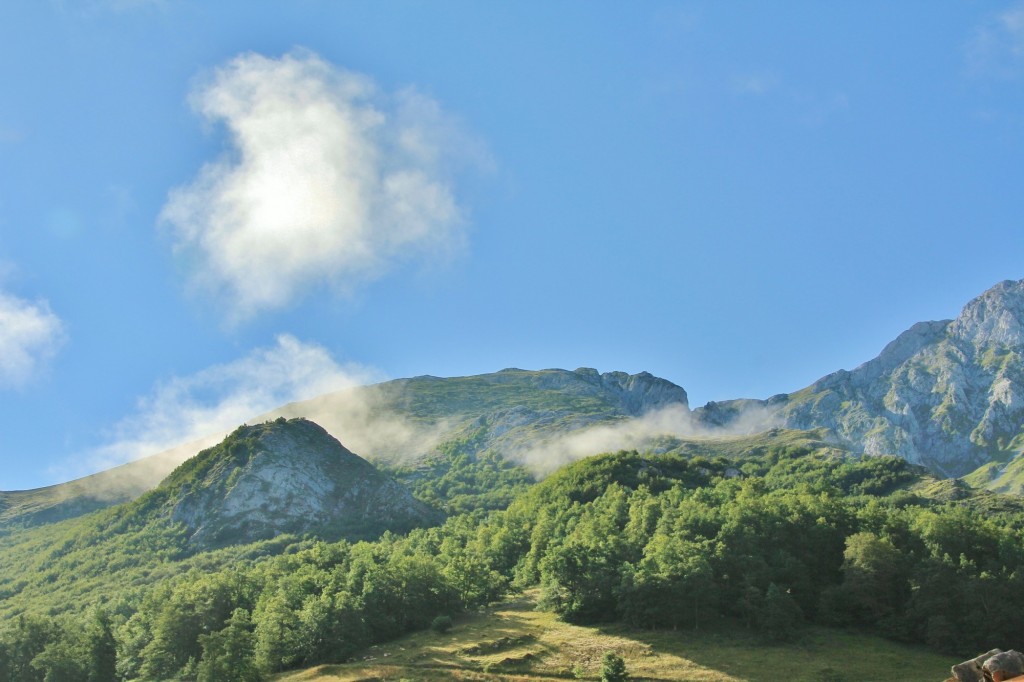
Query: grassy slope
[[436, 398], [999, 477], [69, 565], [81, 496], [734, 447], [512, 641], [424, 401]]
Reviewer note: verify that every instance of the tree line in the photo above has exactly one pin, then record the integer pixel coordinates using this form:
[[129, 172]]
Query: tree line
[[782, 539]]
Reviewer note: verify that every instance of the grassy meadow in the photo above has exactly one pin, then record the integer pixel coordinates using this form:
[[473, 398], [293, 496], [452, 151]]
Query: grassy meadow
[[512, 641]]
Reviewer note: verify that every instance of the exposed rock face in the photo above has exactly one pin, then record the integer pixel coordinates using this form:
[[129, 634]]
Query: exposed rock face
[[507, 411], [286, 477], [946, 394], [634, 393], [995, 318], [401, 421], [555, 402]]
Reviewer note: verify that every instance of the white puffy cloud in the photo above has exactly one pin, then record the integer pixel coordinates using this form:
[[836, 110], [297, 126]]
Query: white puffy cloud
[[30, 335], [997, 46], [328, 180], [198, 410]]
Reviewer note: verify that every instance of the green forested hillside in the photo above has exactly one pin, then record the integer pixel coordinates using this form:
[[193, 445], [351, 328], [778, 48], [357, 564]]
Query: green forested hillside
[[406, 422], [773, 542], [1000, 477]]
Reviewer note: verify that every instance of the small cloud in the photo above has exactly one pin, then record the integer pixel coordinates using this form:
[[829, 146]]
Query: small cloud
[[755, 84], [807, 107], [673, 20], [85, 8], [329, 181], [987, 115], [30, 335], [818, 109], [64, 223], [200, 409], [9, 135], [120, 204], [637, 433], [133, 5], [996, 48]]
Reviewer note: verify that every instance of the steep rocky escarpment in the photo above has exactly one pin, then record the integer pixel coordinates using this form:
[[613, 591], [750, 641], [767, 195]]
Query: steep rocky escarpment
[[285, 476], [403, 421], [946, 394]]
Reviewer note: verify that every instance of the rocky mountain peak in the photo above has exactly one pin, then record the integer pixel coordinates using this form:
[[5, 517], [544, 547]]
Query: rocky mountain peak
[[946, 394], [636, 393], [995, 317], [286, 476], [902, 348]]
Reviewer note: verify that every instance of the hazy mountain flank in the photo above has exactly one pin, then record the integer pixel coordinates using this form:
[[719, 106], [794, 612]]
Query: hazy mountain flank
[[401, 422], [945, 394], [284, 476]]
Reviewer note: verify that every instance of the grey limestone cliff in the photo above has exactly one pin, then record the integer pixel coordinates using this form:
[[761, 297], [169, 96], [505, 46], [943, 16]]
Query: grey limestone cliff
[[945, 394], [286, 476]]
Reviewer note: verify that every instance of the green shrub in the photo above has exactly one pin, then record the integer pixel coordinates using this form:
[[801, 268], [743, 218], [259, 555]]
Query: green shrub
[[613, 668], [441, 624]]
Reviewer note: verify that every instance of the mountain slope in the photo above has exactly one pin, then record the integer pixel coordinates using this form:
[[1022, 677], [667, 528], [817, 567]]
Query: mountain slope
[[406, 419], [89, 493], [999, 477], [282, 477], [945, 394], [399, 422]]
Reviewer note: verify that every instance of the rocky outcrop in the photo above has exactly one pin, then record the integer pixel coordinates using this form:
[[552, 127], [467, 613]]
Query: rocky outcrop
[[401, 421], [634, 394], [286, 476], [946, 394], [996, 318]]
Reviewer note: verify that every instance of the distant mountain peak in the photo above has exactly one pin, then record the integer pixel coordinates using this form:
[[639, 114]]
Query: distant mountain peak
[[948, 394], [285, 476], [637, 393], [995, 317], [903, 347], [404, 421]]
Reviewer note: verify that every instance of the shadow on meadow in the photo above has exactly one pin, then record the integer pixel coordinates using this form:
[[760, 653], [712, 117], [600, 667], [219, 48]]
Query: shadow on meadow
[[513, 642]]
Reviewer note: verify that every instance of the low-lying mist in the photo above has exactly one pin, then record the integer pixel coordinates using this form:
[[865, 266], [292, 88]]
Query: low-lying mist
[[294, 379], [365, 421], [183, 415], [637, 433]]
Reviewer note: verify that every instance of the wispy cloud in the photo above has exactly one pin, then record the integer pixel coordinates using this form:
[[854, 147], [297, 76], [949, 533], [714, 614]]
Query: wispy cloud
[[120, 204], [809, 107], [817, 110], [9, 135], [30, 334], [639, 433], [84, 8], [996, 47], [755, 83], [330, 181], [201, 408]]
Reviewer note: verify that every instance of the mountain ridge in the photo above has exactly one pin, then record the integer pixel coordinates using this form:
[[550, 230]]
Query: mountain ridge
[[401, 421], [945, 394], [280, 477]]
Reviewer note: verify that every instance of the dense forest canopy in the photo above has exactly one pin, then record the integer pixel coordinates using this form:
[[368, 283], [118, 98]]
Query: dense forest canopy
[[773, 540]]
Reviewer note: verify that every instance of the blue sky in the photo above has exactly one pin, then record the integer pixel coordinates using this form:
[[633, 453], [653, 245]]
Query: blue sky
[[209, 208]]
